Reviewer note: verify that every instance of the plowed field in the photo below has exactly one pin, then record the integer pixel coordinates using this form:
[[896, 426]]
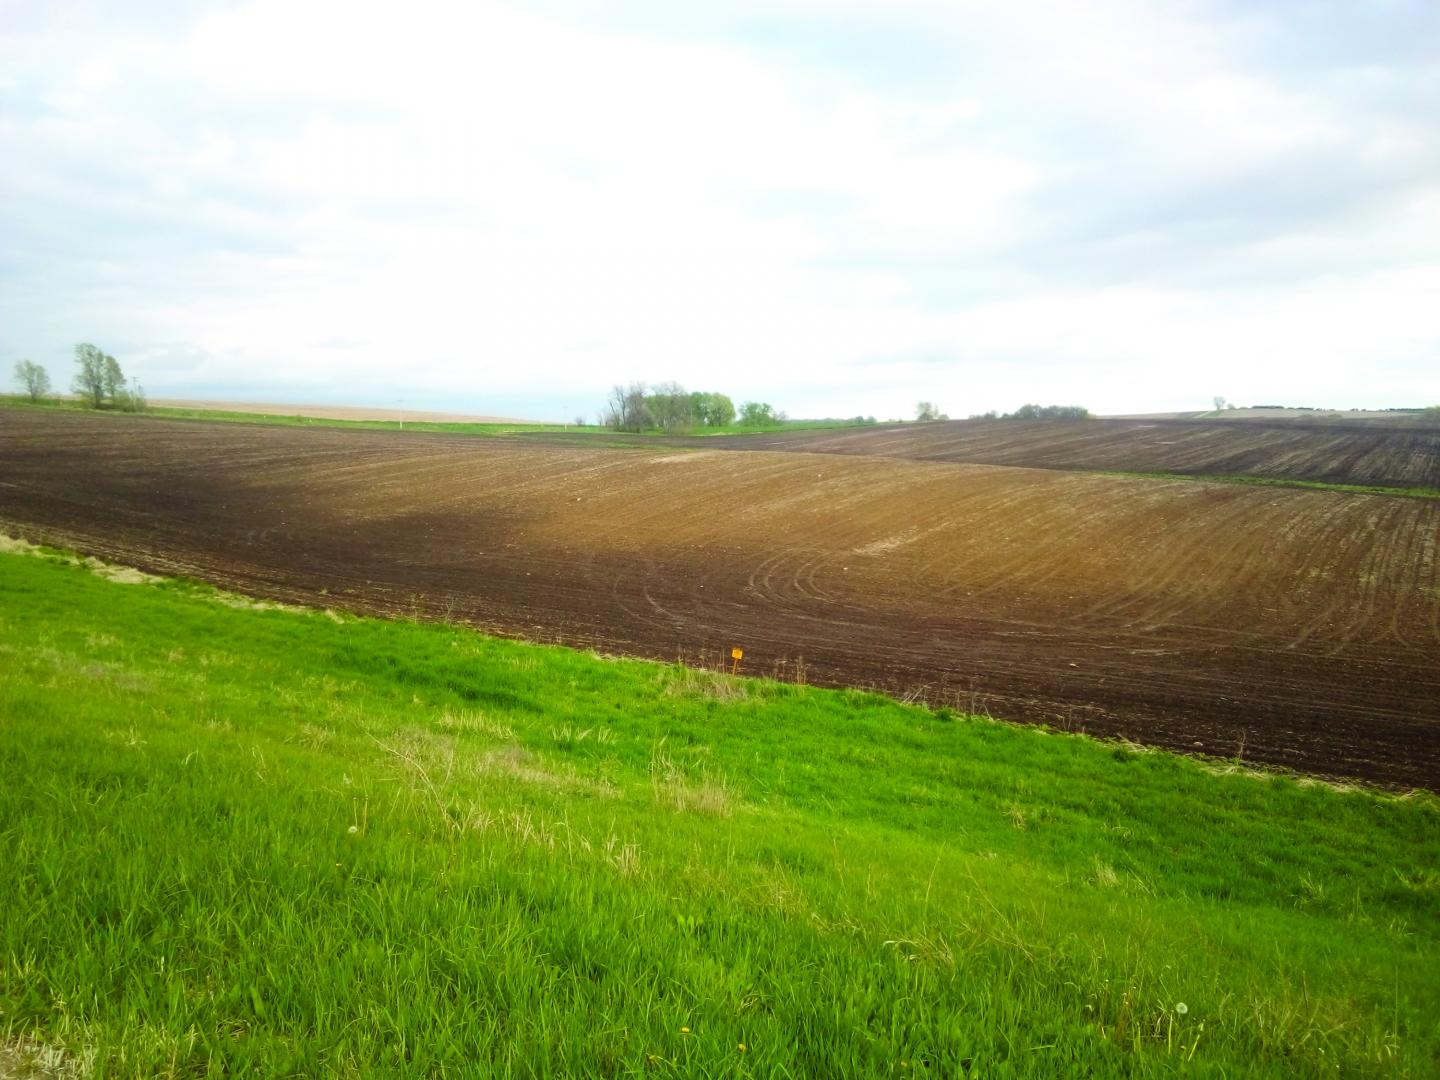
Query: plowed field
[[1367, 453], [1301, 625]]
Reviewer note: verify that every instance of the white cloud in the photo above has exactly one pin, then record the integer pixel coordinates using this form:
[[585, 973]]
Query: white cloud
[[499, 206]]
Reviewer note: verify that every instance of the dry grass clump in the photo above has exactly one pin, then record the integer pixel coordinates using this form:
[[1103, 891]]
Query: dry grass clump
[[26, 1059], [476, 723], [696, 790], [693, 682], [568, 736]]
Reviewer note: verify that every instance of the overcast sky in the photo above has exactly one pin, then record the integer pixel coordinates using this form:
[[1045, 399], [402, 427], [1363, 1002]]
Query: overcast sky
[[839, 207]]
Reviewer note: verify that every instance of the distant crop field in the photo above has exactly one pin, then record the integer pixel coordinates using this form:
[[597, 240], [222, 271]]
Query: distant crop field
[[1297, 628], [1400, 454], [396, 412]]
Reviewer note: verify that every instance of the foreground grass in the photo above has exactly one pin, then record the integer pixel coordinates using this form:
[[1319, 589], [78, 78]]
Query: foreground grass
[[244, 841]]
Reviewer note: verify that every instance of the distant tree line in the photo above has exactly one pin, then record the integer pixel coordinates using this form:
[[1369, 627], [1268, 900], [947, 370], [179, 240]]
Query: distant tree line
[[99, 381], [1038, 412], [670, 407]]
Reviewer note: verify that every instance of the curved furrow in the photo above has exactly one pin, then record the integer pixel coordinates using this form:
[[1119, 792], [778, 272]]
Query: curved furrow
[[1169, 611]]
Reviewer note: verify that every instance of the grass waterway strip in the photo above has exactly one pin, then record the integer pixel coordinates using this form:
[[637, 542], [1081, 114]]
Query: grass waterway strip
[[1277, 481]]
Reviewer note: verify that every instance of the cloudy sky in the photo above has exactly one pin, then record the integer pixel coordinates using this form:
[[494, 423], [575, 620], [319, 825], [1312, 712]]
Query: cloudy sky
[[839, 206]]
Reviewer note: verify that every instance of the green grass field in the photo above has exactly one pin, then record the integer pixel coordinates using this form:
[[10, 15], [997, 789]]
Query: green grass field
[[164, 412], [239, 840], [160, 412]]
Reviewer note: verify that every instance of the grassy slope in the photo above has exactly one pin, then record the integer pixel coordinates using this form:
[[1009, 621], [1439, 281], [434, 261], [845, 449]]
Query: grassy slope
[[283, 843]]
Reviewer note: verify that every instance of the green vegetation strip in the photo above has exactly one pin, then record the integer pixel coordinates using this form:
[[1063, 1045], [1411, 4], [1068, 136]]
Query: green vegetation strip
[[240, 840], [1280, 481], [167, 412]]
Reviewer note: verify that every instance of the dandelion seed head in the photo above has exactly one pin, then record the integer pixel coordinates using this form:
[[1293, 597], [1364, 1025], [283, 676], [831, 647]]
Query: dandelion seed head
[[353, 829], [1181, 1008]]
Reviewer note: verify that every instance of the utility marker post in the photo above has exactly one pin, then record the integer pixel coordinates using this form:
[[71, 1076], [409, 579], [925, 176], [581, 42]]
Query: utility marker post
[[736, 655]]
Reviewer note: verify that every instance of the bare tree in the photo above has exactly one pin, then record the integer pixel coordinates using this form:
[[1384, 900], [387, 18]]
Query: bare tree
[[133, 399], [926, 411], [637, 408], [33, 379], [1219, 402], [626, 408], [613, 415]]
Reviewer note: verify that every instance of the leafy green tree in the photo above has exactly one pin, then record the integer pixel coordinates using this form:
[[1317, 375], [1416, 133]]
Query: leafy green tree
[[760, 414], [670, 406], [99, 381], [33, 379], [114, 380], [712, 409], [90, 375], [666, 405]]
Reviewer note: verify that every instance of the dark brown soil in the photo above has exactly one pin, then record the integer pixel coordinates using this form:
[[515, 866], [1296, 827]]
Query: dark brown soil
[[1301, 626], [1368, 453]]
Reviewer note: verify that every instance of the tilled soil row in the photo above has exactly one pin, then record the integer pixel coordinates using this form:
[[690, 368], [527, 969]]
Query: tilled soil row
[[1292, 628]]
